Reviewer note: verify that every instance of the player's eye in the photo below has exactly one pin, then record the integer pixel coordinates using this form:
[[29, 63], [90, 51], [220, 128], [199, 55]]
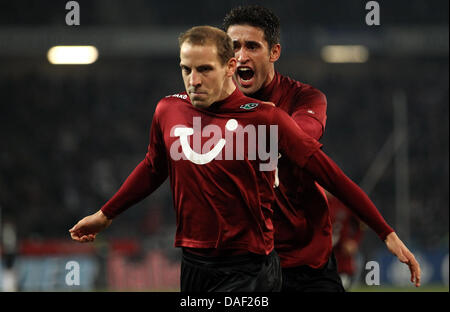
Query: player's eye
[[204, 69], [185, 69], [236, 45], [252, 45]]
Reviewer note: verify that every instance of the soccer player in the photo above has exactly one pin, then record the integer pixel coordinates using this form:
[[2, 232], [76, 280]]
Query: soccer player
[[222, 181], [301, 215]]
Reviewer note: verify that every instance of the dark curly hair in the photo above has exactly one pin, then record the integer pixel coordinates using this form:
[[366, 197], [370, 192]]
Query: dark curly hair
[[257, 16]]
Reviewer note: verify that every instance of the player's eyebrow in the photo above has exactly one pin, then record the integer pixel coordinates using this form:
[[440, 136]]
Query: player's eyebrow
[[182, 66], [199, 68], [204, 67], [247, 43]]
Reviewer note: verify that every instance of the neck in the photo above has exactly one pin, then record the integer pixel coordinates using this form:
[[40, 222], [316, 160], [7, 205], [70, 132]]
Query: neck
[[270, 76], [228, 89]]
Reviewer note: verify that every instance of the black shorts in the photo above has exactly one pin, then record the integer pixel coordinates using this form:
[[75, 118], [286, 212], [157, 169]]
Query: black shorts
[[307, 279], [242, 273]]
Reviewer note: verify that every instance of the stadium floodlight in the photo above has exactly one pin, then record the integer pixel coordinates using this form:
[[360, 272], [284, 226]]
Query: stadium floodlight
[[72, 55], [345, 54]]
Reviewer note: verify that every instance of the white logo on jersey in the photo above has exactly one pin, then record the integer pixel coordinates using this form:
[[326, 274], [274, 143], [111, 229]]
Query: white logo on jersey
[[201, 159], [180, 96], [251, 141]]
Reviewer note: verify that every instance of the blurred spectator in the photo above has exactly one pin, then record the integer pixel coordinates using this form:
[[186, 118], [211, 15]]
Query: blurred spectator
[[347, 236], [9, 254]]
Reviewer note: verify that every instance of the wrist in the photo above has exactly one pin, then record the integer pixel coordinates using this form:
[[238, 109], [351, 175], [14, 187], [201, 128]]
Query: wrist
[[103, 216]]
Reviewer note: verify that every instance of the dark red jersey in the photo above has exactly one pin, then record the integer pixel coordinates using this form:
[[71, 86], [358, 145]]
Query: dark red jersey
[[221, 201], [303, 233]]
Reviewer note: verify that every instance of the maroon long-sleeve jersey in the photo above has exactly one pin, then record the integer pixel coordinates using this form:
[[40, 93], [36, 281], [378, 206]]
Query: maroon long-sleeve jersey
[[222, 192], [303, 233]]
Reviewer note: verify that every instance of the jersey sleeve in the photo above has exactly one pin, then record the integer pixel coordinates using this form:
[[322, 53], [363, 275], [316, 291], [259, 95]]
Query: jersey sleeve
[[149, 174], [310, 111], [294, 143], [331, 177]]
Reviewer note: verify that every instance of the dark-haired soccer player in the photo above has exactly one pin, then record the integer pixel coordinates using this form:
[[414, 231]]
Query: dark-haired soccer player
[[213, 143], [301, 215]]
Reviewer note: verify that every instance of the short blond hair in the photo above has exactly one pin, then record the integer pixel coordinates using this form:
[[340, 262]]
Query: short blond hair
[[203, 35]]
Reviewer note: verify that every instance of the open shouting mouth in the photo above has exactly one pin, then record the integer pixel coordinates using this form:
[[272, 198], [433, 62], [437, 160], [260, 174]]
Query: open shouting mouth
[[245, 75]]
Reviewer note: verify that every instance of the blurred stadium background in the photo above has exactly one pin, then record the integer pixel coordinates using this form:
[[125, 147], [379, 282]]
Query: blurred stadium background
[[71, 134]]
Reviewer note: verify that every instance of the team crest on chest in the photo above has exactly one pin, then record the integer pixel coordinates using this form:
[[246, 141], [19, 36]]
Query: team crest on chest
[[249, 106]]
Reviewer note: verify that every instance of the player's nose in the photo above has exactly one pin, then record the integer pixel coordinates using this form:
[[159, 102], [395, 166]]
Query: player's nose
[[241, 55], [195, 79]]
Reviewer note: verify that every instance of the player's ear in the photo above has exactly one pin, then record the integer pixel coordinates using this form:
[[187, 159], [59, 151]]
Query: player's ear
[[231, 66], [275, 53]]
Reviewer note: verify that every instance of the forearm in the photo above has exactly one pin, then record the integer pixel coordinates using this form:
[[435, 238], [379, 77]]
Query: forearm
[[139, 184], [331, 177]]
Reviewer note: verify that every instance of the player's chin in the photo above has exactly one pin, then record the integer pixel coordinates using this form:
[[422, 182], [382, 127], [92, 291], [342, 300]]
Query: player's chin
[[247, 88], [200, 103]]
